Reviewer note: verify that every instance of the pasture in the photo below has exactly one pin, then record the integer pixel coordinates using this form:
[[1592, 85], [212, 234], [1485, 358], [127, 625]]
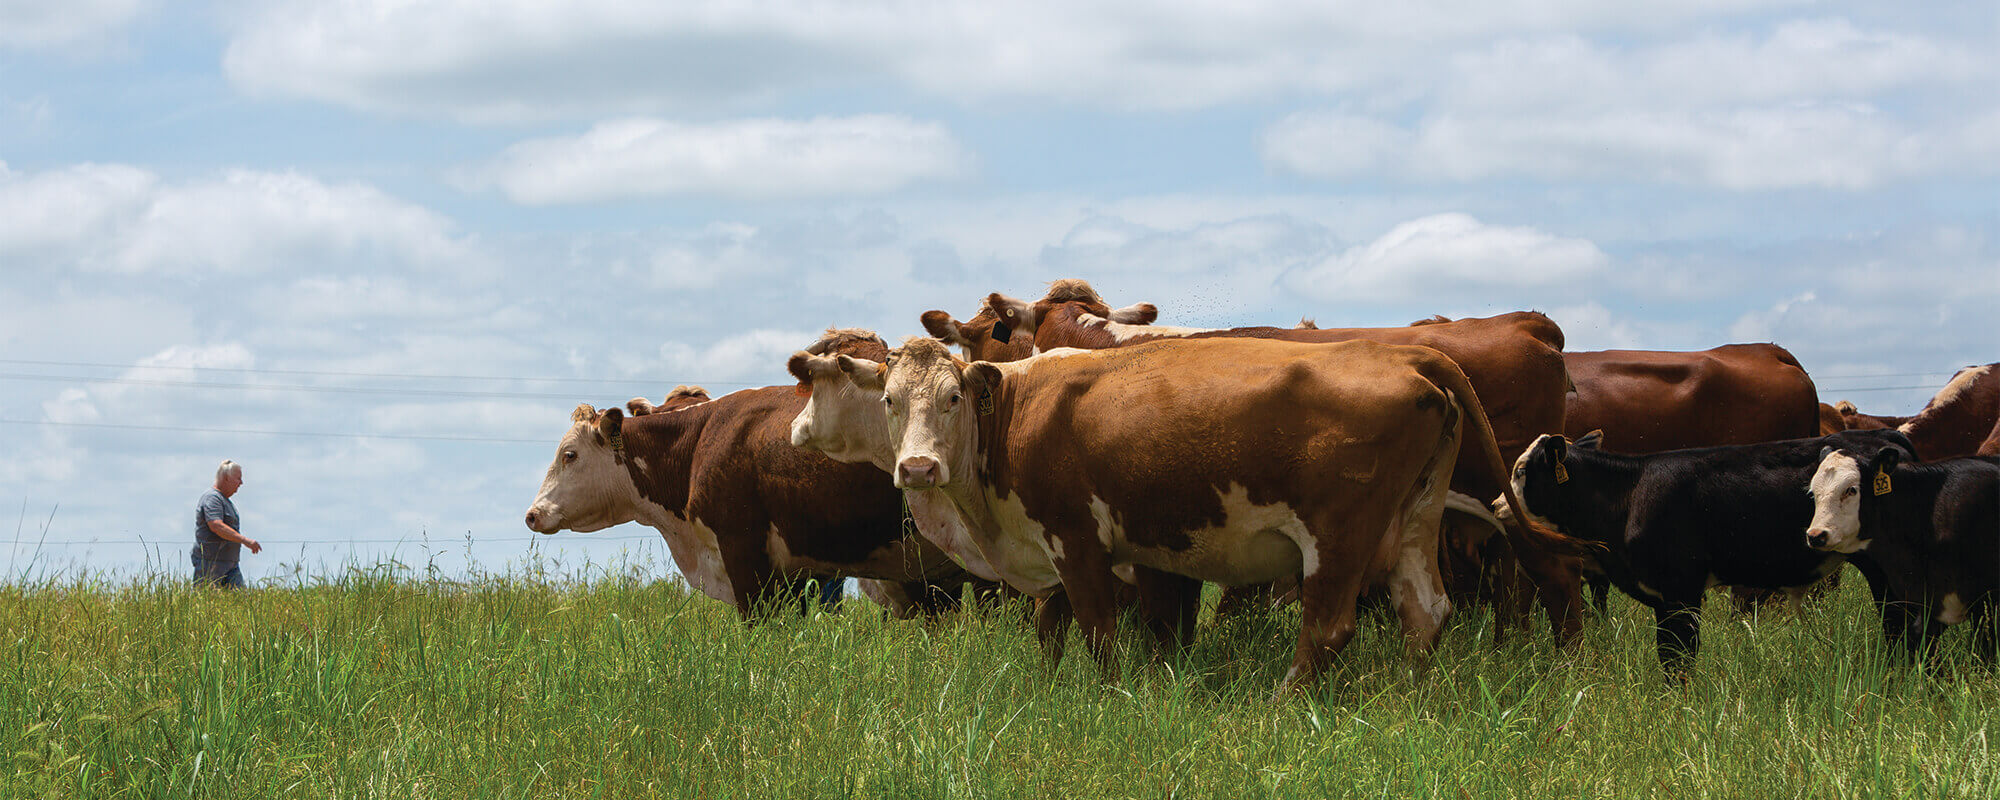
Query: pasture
[[384, 684]]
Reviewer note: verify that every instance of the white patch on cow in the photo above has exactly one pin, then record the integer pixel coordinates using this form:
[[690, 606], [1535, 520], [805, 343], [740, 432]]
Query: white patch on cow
[[1519, 480], [1254, 544], [1020, 546], [1951, 610], [1470, 506], [1952, 390], [939, 520], [1836, 491], [1649, 591], [697, 554], [1122, 332]]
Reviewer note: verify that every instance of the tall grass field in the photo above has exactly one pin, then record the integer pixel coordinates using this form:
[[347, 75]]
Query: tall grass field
[[384, 685]]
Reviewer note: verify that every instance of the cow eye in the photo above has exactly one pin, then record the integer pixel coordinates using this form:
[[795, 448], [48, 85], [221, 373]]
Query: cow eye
[[569, 456], [954, 399], [888, 401], [1851, 491]]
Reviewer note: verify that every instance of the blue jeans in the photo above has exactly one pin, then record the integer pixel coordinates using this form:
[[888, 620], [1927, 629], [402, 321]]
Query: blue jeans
[[225, 574]]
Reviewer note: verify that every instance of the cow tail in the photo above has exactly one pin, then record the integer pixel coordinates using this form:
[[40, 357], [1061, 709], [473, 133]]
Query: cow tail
[[1445, 373]]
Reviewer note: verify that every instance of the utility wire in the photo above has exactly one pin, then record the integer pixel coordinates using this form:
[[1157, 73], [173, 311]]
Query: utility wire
[[323, 434], [408, 376], [451, 542], [285, 387]]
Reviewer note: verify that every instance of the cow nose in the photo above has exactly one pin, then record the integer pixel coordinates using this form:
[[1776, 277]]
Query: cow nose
[[918, 472], [534, 517], [1816, 539]]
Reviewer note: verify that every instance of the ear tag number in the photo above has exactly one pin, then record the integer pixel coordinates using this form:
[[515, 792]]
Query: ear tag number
[[985, 402], [1882, 486], [1562, 473]]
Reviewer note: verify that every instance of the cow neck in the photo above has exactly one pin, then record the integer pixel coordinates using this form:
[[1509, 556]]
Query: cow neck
[[1605, 505], [1956, 428], [975, 493], [660, 450]]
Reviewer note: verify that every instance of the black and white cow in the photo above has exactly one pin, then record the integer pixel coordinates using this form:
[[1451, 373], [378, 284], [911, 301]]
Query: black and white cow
[[1678, 522], [1932, 532]]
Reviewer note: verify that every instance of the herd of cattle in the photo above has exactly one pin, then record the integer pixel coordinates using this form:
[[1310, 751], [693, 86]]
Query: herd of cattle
[[1083, 456]]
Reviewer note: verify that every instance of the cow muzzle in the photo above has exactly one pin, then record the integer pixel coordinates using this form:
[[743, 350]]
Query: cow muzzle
[[542, 520], [919, 472], [1817, 539]]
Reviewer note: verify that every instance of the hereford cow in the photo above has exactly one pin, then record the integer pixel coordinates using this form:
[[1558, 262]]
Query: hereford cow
[[1233, 461], [1843, 416], [1676, 523], [680, 396], [1648, 401], [1931, 530], [744, 513], [1963, 419], [1513, 360]]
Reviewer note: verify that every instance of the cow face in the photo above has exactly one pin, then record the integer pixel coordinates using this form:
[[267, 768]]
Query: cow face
[[1537, 473], [976, 338], [925, 397], [587, 487], [1838, 489], [843, 413]]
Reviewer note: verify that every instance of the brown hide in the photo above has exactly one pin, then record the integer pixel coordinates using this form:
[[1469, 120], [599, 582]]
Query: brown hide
[[1647, 401], [975, 336], [1341, 435], [1963, 419]]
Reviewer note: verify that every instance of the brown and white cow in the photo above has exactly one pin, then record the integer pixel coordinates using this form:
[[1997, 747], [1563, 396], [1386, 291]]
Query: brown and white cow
[[1514, 361], [1963, 419], [1843, 416], [744, 513], [1233, 461], [1650, 401]]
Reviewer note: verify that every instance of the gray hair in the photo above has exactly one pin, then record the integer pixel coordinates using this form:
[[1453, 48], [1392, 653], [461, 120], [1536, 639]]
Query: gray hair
[[228, 468]]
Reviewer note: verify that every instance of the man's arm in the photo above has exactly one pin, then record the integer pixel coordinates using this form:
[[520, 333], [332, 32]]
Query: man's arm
[[222, 529]]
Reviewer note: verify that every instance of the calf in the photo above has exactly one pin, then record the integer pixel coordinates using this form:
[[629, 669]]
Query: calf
[[1676, 523], [1932, 532]]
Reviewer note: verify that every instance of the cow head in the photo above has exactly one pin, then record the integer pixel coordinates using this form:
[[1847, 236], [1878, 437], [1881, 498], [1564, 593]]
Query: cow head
[[841, 419], [1842, 486], [929, 398], [1540, 472], [976, 338], [587, 487]]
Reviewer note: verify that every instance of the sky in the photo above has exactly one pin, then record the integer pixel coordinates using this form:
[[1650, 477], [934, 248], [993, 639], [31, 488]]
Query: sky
[[375, 251]]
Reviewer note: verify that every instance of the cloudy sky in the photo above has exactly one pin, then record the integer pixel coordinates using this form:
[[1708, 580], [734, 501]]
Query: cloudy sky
[[376, 250]]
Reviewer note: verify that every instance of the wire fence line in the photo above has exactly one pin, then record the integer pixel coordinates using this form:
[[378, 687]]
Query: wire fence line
[[25, 544]]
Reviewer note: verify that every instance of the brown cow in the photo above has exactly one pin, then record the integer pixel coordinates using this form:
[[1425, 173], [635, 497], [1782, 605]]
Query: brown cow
[[680, 396], [1650, 401], [980, 340], [1514, 360], [1230, 460], [1843, 416], [744, 513], [1962, 420]]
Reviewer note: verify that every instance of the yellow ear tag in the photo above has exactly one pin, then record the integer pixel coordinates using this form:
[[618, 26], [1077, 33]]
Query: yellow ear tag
[[985, 401], [1562, 473], [1881, 482]]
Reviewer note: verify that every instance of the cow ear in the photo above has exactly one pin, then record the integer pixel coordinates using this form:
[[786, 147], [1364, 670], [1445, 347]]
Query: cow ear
[[941, 326], [639, 406], [1556, 446], [1886, 460], [611, 423], [982, 379], [1136, 314], [1593, 440], [806, 366], [864, 373], [1016, 314], [1824, 451]]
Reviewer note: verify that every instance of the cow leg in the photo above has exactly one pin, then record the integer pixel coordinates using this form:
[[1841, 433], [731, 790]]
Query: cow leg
[[1559, 585], [1052, 619], [1237, 601], [1168, 603], [1417, 588], [1677, 636], [1326, 624], [757, 587], [1600, 592], [1087, 578]]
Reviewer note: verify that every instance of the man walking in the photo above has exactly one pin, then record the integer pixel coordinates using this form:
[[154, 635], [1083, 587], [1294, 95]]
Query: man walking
[[218, 537]]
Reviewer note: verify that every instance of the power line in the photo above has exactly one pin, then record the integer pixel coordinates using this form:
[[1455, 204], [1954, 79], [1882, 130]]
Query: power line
[[328, 373], [286, 387], [1882, 389], [451, 542], [323, 434]]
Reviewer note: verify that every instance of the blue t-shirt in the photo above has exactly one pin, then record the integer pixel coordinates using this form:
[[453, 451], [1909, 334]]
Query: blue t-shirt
[[208, 545]]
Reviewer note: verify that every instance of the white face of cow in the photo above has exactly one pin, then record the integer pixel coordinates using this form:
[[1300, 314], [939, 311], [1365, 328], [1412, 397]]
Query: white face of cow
[[842, 419], [930, 418], [1836, 491], [586, 489]]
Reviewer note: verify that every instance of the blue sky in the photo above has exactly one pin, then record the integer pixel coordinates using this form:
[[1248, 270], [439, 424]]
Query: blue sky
[[278, 217]]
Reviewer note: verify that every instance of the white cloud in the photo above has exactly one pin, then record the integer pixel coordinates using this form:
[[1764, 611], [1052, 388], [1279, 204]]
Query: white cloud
[[1448, 252], [537, 59], [1851, 147], [36, 24], [127, 220], [744, 356], [867, 154]]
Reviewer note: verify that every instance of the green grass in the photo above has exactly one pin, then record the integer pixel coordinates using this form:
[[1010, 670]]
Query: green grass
[[371, 686]]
